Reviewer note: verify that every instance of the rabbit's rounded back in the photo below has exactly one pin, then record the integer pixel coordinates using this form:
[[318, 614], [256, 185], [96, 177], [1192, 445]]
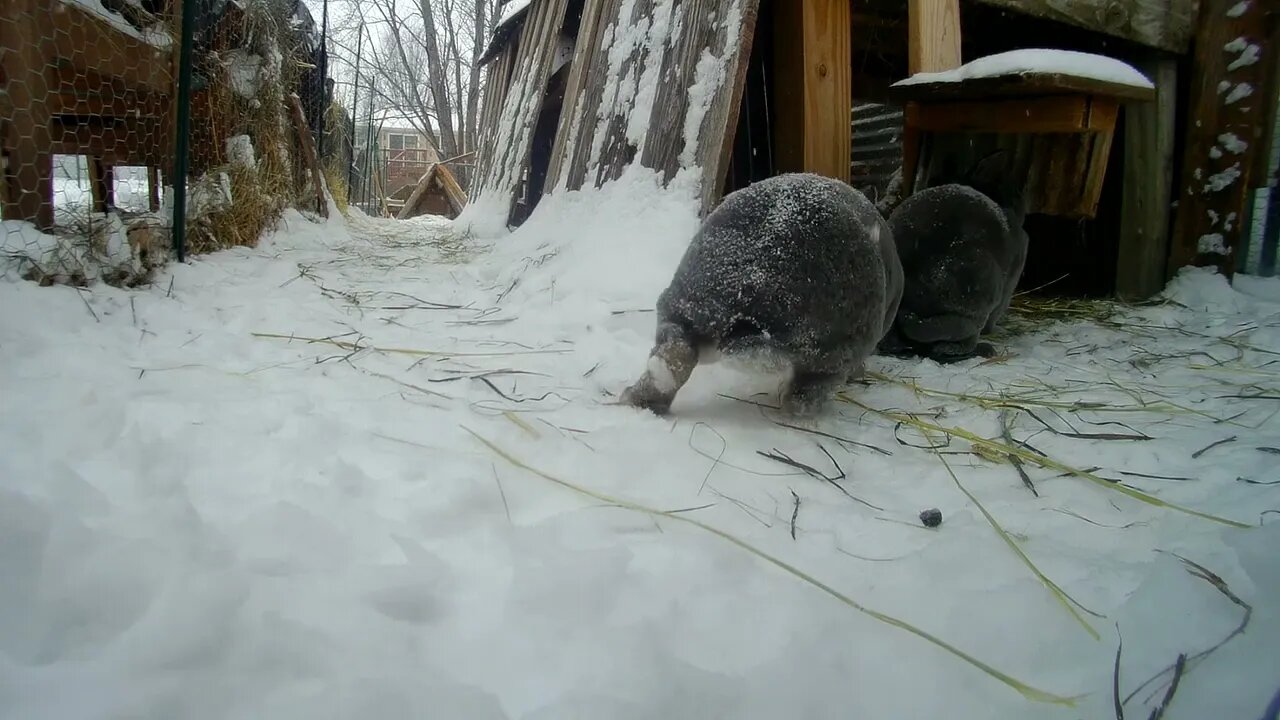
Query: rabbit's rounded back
[[797, 268], [961, 258], [800, 263]]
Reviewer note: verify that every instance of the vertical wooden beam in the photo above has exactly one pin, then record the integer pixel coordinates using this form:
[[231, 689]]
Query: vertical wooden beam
[[153, 188], [933, 45], [102, 185], [813, 67], [933, 35], [1148, 185], [1224, 130]]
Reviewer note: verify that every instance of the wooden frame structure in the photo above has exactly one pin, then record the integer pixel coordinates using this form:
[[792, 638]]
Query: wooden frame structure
[[1069, 130], [77, 85], [437, 193]]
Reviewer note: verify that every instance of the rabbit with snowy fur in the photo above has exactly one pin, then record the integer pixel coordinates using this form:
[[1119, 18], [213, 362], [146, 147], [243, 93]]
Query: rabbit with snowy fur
[[962, 247], [797, 270]]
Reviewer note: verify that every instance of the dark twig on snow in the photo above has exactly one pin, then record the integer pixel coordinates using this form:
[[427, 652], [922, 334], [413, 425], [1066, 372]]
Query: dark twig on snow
[[1014, 460], [1272, 450], [1179, 668], [502, 493], [829, 436], [1196, 455], [795, 512], [1115, 677], [1257, 482], [724, 445], [1189, 663], [1078, 516], [779, 456], [1087, 436], [513, 399], [87, 305]]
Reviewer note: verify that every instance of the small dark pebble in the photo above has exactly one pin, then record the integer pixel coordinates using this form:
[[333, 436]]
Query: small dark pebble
[[931, 517]]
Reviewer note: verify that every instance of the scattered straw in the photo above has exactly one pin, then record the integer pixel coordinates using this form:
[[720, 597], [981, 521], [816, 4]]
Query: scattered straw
[[1024, 689], [402, 351], [1066, 600], [1039, 459]]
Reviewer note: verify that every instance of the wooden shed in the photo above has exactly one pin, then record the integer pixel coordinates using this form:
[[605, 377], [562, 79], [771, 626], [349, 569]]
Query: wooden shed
[[437, 193], [728, 92]]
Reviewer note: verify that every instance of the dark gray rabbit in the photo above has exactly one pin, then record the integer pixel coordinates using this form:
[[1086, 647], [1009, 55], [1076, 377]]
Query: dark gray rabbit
[[797, 269], [962, 247]]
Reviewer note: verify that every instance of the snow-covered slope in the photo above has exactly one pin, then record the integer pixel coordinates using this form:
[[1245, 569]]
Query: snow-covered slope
[[201, 518]]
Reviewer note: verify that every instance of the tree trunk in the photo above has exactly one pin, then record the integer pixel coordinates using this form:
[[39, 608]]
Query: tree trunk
[[439, 82], [473, 83]]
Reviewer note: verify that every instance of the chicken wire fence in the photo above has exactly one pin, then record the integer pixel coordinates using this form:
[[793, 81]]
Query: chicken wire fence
[[126, 141]]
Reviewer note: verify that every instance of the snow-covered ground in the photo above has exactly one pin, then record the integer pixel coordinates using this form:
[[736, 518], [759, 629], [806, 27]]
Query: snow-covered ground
[[201, 518]]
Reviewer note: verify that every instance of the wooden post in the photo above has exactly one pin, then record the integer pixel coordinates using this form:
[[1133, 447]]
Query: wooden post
[[153, 188], [1148, 185], [933, 45], [933, 35], [309, 152], [1224, 130], [813, 87], [102, 184]]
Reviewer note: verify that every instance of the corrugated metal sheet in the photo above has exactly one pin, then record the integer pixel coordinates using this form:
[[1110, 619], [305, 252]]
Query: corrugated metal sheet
[[876, 152]]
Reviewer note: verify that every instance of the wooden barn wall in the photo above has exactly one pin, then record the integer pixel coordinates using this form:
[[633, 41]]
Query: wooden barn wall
[[641, 88], [1163, 24], [505, 145], [495, 89]]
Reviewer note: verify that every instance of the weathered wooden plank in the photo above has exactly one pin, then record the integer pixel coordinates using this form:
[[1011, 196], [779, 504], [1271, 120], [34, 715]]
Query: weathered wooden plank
[[1104, 113], [721, 120], [301, 128], [722, 32], [1055, 114], [1163, 24], [578, 96], [812, 68], [153, 188], [621, 131], [1224, 129], [1148, 186], [1022, 85], [642, 84], [507, 148], [933, 45], [495, 92]]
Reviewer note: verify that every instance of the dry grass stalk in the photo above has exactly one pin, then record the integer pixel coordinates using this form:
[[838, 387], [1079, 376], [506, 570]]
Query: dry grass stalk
[[343, 344], [1027, 691], [1062, 597], [1037, 458]]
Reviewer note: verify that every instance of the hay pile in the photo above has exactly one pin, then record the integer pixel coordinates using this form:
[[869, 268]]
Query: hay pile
[[246, 117]]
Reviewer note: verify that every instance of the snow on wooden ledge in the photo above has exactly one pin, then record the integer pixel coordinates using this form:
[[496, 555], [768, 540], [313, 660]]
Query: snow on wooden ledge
[[1038, 61]]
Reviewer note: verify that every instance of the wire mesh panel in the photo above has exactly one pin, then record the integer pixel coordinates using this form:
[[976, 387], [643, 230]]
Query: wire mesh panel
[[87, 105], [86, 85]]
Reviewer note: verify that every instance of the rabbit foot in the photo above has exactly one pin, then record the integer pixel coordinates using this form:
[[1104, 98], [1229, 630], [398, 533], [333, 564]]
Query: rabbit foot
[[671, 362], [952, 352], [810, 393]]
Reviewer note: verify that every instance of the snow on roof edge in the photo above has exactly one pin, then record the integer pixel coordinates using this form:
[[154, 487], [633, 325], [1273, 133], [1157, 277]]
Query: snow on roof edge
[[1038, 60]]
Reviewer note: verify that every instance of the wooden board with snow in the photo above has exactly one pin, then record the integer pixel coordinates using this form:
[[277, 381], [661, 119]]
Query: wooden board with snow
[[1029, 72]]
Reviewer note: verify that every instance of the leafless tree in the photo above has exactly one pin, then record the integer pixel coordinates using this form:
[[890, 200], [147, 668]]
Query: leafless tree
[[418, 57]]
